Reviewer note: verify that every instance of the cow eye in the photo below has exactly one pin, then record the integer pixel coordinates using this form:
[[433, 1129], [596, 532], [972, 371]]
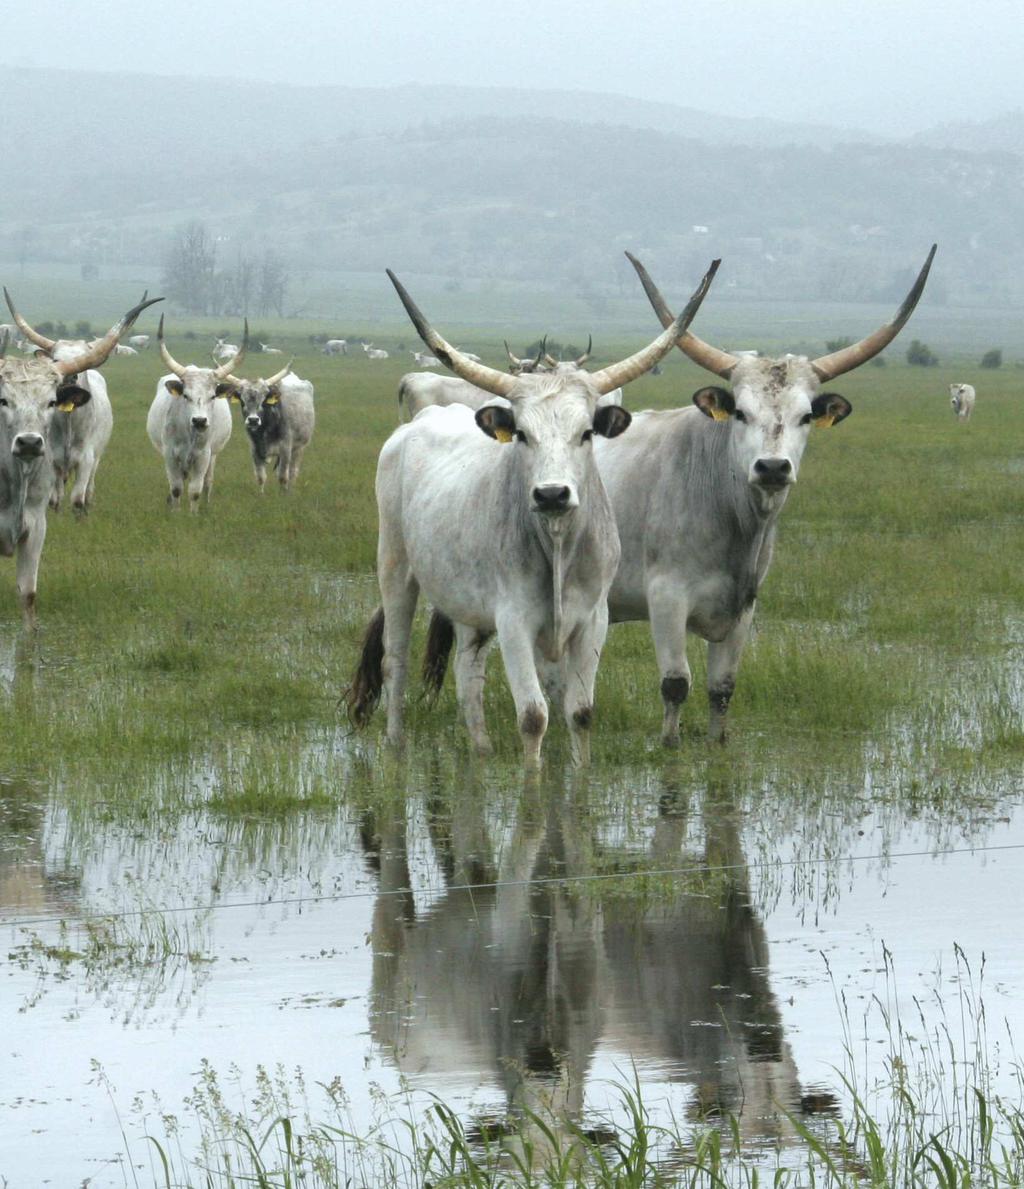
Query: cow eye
[[740, 415], [806, 419], [53, 403], [587, 435], [520, 436], [3, 402]]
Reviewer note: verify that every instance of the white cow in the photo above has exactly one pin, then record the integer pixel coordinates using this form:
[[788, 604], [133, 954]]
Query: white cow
[[697, 494], [78, 437], [33, 392], [139, 341], [224, 350], [373, 352], [335, 347], [270, 350], [121, 349], [279, 416], [424, 360], [961, 397], [189, 422], [508, 535]]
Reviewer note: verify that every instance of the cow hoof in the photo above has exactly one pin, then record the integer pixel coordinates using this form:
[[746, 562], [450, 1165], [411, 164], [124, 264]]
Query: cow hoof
[[671, 741]]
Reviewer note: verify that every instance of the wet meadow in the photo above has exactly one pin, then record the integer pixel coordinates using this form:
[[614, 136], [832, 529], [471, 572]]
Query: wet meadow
[[243, 944]]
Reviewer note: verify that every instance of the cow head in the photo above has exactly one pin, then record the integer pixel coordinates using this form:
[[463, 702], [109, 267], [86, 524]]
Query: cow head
[[200, 387], [31, 393], [550, 419], [260, 402], [772, 403]]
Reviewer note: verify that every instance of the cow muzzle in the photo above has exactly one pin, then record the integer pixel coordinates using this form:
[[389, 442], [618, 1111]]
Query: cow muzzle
[[772, 473], [28, 446], [252, 421], [554, 499], [199, 423]]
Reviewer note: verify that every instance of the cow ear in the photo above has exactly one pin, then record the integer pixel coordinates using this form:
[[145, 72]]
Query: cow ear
[[497, 421], [71, 397], [717, 403], [226, 389], [828, 409], [175, 387], [273, 396], [611, 420]]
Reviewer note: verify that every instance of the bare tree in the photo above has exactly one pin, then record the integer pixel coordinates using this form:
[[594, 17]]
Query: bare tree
[[273, 283], [190, 269]]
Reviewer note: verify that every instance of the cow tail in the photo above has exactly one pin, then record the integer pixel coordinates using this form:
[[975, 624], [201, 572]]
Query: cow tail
[[401, 396], [440, 638], [363, 694]]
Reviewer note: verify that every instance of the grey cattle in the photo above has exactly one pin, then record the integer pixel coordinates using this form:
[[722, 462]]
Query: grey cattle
[[139, 341], [961, 397], [189, 422], [697, 493], [278, 416], [32, 392], [79, 436], [508, 535], [335, 347]]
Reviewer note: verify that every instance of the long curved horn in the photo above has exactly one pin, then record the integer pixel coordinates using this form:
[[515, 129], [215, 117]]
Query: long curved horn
[[715, 360], [618, 374], [5, 341], [223, 372], [586, 354], [487, 378], [33, 336], [514, 360], [165, 355], [846, 359], [101, 348], [277, 377]]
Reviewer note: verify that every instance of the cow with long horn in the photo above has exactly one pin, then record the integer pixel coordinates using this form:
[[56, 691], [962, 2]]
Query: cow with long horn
[[501, 520], [78, 438], [189, 421], [32, 392], [697, 494], [278, 416]]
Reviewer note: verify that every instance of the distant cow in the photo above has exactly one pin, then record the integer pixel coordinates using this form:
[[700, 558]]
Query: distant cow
[[509, 534], [270, 350], [961, 397], [335, 347], [79, 436], [373, 352], [189, 421], [121, 349], [278, 416], [224, 350], [139, 341], [424, 360], [33, 392]]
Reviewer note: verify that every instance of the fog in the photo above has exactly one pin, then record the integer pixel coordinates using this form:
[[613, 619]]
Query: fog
[[889, 69]]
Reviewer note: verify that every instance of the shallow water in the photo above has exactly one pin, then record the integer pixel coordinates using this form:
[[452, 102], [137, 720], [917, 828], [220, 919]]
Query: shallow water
[[692, 924]]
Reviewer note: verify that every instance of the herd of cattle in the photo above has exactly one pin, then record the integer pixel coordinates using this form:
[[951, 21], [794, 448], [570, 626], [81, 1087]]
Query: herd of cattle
[[516, 502]]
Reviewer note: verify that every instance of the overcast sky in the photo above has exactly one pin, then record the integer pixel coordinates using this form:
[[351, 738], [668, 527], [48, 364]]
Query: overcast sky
[[881, 65]]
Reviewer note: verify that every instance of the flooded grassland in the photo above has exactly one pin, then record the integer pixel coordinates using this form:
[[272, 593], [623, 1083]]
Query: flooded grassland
[[220, 907]]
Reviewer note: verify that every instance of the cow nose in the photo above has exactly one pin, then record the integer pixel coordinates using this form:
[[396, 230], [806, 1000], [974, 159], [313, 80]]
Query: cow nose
[[252, 421], [552, 497], [199, 422], [777, 471], [27, 445]]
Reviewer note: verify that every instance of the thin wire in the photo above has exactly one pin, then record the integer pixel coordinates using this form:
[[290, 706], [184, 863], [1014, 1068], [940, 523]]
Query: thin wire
[[523, 883]]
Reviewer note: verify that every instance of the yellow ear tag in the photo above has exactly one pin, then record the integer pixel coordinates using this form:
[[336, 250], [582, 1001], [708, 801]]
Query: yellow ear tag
[[272, 400], [504, 435], [67, 406], [825, 421], [235, 398], [719, 414]]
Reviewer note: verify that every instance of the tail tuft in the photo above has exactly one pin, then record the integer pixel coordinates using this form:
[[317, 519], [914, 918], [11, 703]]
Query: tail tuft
[[363, 694], [440, 638]]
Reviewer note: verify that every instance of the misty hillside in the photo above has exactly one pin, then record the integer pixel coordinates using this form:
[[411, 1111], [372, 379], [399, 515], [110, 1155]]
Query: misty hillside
[[348, 180], [1003, 134]]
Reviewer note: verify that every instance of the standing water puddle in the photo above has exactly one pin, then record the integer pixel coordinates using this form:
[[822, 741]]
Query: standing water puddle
[[522, 947]]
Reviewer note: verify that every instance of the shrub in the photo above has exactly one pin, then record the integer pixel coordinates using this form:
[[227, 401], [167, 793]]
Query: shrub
[[992, 359], [921, 355]]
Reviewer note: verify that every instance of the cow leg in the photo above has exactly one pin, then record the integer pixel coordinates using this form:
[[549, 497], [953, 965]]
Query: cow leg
[[582, 657], [83, 476], [208, 477], [296, 460], [175, 482], [57, 491], [668, 628], [521, 670], [284, 467], [399, 592], [723, 664], [30, 549], [470, 666], [259, 467]]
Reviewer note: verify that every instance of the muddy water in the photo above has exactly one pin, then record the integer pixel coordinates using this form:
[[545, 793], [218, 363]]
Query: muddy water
[[495, 943]]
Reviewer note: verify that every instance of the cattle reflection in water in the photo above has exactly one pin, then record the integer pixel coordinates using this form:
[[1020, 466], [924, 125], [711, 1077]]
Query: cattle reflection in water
[[522, 982]]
